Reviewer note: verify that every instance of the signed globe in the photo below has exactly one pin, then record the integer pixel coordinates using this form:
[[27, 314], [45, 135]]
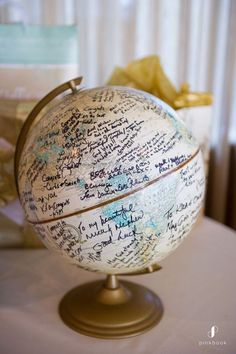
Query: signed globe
[[111, 179]]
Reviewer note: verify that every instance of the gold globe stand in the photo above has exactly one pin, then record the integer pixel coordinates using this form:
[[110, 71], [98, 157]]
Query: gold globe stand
[[111, 309], [104, 309]]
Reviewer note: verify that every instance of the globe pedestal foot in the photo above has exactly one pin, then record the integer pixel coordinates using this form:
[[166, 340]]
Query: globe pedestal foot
[[111, 310]]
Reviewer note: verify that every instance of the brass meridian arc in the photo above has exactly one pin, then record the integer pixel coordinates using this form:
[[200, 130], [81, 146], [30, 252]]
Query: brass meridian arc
[[33, 115]]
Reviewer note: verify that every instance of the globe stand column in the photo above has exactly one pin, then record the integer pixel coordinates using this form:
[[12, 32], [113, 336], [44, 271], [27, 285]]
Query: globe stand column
[[111, 309]]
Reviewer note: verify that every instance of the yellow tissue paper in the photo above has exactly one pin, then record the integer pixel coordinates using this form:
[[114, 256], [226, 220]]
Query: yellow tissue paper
[[148, 75]]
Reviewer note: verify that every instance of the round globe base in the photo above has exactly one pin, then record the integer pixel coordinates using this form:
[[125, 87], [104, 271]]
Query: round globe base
[[120, 311]]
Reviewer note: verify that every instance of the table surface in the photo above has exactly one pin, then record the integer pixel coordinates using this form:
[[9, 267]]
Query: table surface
[[197, 286]]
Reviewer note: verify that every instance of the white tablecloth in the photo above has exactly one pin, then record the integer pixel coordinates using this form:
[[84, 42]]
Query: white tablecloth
[[197, 286]]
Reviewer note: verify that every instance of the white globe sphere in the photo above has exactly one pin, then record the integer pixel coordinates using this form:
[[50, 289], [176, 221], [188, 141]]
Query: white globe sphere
[[111, 179]]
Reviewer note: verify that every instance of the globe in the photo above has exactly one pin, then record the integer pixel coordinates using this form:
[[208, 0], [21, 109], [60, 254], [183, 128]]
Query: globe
[[111, 179]]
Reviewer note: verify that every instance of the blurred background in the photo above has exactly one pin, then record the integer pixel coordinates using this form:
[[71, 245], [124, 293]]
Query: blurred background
[[44, 43]]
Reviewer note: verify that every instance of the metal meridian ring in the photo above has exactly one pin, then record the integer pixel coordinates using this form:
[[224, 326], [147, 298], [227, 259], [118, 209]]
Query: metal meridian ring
[[32, 116]]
